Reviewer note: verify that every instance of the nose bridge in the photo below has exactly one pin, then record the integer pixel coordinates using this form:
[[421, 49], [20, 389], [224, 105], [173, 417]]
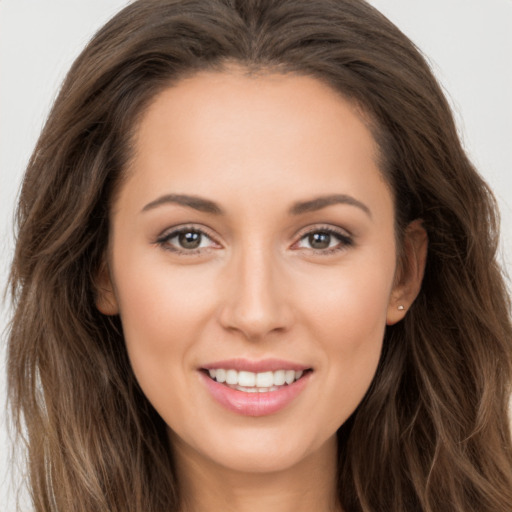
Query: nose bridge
[[255, 303]]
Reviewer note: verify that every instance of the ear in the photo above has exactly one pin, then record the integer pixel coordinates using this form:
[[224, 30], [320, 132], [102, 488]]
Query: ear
[[106, 301], [410, 272]]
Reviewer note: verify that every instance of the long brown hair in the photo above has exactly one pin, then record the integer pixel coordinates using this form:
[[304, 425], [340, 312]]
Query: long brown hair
[[432, 433]]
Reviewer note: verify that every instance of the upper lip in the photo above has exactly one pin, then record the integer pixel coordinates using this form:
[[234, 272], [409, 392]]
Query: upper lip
[[261, 365]]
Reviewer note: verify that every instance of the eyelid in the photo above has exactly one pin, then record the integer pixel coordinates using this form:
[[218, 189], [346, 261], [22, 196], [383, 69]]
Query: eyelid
[[311, 228], [346, 238], [171, 232]]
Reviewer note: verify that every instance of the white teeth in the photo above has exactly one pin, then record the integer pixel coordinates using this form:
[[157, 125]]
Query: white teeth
[[279, 378], [252, 382], [265, 380], [247, 390], [289, 376], [255, 389], [247, 379], [232, 377]]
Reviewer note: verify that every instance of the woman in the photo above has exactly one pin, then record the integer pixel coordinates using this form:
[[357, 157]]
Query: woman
[[255, 269]]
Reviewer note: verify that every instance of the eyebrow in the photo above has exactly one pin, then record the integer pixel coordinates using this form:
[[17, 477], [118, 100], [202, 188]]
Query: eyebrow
[[197, 203], [207, 206], [323, 201]]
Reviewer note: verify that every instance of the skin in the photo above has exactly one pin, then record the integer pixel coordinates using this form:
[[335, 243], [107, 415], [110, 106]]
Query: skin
[[256, 287]]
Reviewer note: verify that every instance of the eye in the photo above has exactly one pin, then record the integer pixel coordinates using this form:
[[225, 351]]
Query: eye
[[186, 240], [324, 240]]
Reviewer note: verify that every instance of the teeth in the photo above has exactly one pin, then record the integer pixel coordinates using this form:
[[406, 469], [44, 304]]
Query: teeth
[[232, 377], [256, 390], [265, 380], [247, 379], [247, 390], [252, 382], [279, 378]]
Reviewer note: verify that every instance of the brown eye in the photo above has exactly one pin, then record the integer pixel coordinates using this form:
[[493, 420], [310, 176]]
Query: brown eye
[[189, 240], [319, 240], [325, 241], [186, 241]]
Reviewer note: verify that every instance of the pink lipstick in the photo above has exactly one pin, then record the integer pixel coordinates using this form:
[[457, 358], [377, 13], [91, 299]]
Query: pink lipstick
[[255, 388]]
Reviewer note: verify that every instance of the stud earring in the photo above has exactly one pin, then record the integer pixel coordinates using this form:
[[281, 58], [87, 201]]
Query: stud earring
[[401, 307]]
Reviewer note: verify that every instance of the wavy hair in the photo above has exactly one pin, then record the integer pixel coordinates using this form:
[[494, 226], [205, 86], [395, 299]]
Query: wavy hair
[[432, 433]]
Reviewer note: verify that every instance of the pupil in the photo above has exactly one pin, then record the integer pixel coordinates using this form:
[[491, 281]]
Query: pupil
[[190, 240], [319, 240]]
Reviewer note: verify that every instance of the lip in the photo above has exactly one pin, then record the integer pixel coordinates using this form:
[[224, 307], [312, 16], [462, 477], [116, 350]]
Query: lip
[[262, 365], [254, 404]]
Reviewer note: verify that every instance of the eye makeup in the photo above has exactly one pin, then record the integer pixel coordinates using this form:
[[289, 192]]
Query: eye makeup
[[193, 239]]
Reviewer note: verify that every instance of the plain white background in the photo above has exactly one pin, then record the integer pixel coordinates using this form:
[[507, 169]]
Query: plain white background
[[468, 44]]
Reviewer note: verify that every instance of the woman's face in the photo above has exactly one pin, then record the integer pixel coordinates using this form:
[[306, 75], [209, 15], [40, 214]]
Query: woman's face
[[253, 240]]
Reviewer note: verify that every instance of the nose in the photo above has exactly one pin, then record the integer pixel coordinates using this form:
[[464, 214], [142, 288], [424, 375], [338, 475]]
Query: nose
[[256, 300]]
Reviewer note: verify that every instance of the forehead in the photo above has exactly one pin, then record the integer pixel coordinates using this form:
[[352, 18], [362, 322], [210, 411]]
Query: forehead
[[273, 101], [250, 133]]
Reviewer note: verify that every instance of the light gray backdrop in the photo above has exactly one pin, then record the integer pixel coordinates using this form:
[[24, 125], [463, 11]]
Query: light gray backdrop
[[468, 43]]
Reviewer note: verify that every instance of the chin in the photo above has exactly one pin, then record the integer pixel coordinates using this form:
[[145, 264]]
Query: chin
[[268, 461], [258, 450]]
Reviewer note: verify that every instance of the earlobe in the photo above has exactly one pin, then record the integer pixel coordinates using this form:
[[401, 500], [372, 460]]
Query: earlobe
[[106, 301], [410, 276]]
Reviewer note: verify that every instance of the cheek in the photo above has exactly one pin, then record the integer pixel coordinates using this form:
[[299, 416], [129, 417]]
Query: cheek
[[163, 310], [349, 305], [346, 316]]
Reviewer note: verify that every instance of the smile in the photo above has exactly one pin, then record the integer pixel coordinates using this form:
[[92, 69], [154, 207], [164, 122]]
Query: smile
[[255, 388], [252, 382]]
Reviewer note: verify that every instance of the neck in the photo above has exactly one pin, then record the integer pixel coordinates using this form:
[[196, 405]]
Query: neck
[[308, 485]]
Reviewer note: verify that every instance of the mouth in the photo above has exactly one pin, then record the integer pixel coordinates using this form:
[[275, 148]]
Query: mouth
[[256, 382], [255, 387]]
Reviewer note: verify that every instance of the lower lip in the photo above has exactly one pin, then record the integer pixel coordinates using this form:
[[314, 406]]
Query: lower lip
[[255, 404]]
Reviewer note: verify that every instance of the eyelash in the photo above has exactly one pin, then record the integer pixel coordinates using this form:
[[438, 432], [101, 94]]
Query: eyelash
[[164, 240], [344, 240]]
